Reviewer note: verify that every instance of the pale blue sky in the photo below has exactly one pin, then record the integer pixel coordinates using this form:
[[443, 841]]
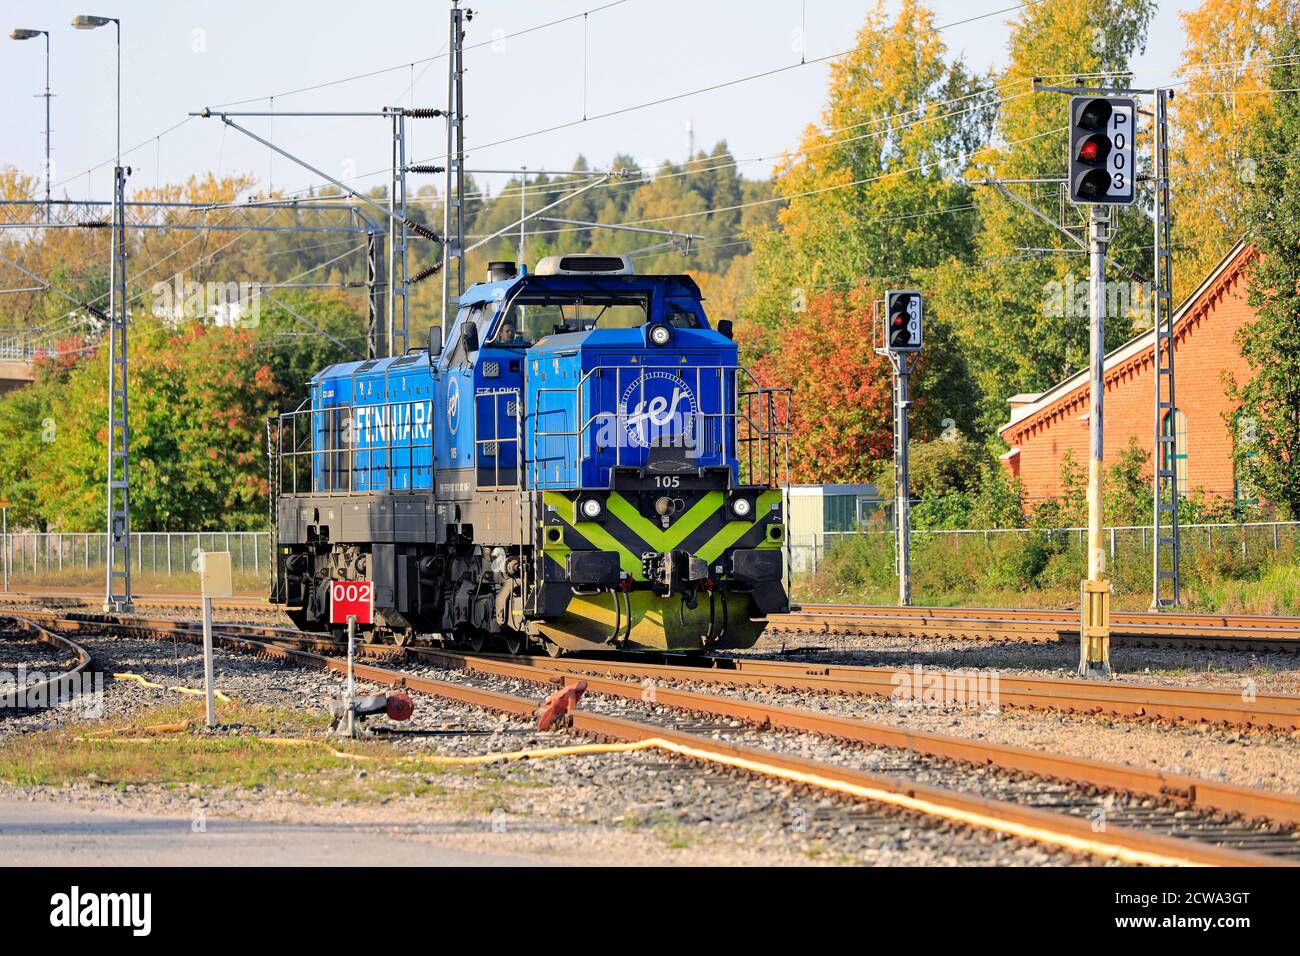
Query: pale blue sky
[[180, 56]]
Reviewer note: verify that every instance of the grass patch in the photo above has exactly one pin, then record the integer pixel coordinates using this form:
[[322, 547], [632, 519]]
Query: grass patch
[[664, 826], [1228, 572], [1277, 591], [195, 760]]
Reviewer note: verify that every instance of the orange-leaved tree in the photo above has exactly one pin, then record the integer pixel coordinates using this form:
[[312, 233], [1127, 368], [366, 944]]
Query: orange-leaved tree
[[840, 420]]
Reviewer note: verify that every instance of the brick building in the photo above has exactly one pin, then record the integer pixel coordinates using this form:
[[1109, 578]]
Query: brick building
[[1045, 425]]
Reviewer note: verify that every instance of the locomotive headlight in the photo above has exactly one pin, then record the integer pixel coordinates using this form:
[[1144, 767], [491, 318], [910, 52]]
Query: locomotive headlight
[[660, 334], [741, 507], [663, 507], [591, 508]]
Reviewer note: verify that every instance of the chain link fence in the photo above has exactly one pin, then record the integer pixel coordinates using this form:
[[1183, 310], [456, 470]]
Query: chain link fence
[[169, 560], [1129, 545], [163, 559]]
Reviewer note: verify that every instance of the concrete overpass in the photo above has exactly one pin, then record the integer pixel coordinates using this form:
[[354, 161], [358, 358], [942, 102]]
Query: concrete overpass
[[18, 351], [14, 373]]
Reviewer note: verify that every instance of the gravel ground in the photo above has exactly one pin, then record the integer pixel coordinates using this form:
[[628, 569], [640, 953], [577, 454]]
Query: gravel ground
[[1256, 758], [984, 781], [636, 809], [1252, 758], [1271, 673], [19, 649]]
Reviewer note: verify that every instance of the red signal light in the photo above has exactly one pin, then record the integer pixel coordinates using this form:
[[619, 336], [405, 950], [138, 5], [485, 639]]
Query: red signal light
[[1094, 149]]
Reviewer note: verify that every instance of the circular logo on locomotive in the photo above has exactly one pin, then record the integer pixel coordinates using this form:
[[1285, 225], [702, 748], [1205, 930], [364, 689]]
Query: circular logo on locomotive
[[658, 408], [453, 405]]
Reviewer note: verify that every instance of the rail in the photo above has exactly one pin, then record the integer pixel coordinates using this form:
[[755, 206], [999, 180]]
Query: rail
[[1145, 835]]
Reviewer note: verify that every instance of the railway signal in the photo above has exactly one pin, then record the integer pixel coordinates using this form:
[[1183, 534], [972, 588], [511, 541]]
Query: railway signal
[[1101, 173], [903, 315], [1102, 150]]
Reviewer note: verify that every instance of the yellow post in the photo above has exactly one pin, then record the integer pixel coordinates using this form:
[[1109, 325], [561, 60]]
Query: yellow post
[[1094, 632]]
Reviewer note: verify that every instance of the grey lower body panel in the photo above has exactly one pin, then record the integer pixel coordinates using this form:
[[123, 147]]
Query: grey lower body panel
[[402, 517], [496, 517]]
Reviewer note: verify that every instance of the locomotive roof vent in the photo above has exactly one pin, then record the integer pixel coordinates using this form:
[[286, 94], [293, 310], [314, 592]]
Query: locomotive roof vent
[[585, 263], [500, 270]]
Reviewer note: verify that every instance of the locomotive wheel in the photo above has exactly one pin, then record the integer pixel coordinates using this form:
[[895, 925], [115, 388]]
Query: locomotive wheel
[[476, 640], [553, 649], [516, 643]]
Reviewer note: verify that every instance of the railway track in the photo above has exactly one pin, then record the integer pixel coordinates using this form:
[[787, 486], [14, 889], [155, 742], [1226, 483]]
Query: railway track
[[1213, 631], [50, 686], [1161, 818], [1235, 708], [1034, 625], [1130, 700]]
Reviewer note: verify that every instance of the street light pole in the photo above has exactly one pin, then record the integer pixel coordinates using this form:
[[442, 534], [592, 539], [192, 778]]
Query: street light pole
[[23, 34], [84, 22]]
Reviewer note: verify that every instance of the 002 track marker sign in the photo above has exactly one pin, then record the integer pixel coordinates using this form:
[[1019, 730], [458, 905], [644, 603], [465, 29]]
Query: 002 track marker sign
[[349, 598]]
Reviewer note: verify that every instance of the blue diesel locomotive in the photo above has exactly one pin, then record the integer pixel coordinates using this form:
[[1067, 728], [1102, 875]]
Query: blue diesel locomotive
[[583, 466]]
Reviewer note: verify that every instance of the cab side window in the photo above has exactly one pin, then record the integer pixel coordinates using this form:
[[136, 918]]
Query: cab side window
[[683, 313], [476, 317]]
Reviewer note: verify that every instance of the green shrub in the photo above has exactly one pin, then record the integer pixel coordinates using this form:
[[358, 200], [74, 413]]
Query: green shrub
[[858, 562], [1014, 561]]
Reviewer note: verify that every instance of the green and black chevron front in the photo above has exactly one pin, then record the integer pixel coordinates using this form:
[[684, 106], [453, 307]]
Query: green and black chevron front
[[702, 524]]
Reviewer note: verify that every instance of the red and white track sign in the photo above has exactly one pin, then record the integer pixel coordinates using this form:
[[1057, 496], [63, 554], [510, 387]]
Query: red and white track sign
[[352, 597]]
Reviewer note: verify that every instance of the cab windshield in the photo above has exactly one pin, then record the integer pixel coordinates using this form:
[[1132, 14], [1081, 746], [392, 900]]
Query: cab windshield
[[530, 318]]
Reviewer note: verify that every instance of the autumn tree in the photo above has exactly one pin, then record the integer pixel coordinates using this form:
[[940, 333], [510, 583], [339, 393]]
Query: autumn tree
[[841, 406], [1216, 116], [842, 409], [199, 397], [874, 191], [873, 195], [1267, 426], [1017, 332]]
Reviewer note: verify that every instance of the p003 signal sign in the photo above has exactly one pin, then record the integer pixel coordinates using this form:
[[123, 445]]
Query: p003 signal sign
[[352, 597], [1103, 151]]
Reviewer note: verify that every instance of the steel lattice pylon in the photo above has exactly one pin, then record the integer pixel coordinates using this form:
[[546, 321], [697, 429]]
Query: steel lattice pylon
[[453, 217], [1165, 586], [117, 595]]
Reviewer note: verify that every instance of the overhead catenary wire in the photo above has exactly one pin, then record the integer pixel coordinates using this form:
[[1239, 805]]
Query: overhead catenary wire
[[711, 88], [1205, 67], [426, 60]]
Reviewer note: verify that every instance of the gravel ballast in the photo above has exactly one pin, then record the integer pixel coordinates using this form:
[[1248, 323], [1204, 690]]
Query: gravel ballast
[[639, 808]]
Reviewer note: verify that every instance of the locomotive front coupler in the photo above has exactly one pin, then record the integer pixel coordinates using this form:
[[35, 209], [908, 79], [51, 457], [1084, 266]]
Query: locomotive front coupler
[[670, 571]]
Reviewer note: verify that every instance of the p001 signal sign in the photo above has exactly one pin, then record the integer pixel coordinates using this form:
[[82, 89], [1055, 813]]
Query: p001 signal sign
[[352, 597]]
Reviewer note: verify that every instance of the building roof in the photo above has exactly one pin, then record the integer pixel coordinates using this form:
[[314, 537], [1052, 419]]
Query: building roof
[[1029, 405], [797, 491]]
